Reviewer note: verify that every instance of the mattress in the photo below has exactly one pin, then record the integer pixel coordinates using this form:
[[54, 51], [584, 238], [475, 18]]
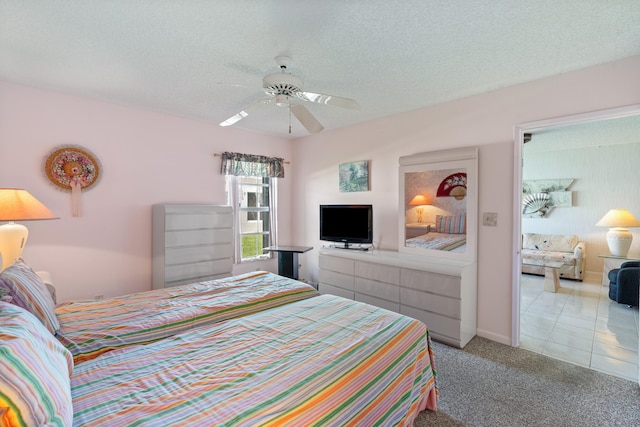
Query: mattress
[[320, 361], [91, 328]]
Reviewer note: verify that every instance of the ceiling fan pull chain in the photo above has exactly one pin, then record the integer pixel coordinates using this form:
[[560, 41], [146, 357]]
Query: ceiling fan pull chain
[[289, 117]]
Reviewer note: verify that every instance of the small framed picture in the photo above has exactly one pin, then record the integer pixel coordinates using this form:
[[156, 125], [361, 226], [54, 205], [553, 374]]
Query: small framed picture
[[353, 176]]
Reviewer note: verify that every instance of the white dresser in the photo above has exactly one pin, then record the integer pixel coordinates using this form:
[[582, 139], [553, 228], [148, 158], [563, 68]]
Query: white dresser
[[191, 243], [441, 293]]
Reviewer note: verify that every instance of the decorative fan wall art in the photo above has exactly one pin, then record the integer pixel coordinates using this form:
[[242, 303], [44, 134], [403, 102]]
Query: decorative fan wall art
[[455, 185], [535, 204], [540, 196], [72, 168]]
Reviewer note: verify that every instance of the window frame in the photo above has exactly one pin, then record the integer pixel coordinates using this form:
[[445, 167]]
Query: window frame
[[237, 188]]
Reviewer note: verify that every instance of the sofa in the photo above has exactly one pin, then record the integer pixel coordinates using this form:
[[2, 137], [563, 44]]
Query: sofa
[[565, 248]]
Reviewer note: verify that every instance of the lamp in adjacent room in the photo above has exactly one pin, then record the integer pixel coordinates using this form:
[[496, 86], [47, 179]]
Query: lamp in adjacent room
[[420, 200], [619, 237], [18, 205]]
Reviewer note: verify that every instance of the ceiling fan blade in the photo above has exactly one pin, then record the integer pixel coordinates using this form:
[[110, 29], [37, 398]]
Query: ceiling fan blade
[[329, 100], [233, 85], [305, 117], [244, 113]]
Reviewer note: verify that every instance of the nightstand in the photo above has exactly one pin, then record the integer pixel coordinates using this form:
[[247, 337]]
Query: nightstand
[[418, 228]]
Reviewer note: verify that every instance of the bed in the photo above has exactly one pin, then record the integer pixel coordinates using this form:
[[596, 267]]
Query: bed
[[438, 241], [320, 360], [148, 316], [449, 233]]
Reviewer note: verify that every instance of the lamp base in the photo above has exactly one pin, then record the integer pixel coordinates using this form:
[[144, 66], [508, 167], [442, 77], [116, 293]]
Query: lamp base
[[619, 241], [13, 238]]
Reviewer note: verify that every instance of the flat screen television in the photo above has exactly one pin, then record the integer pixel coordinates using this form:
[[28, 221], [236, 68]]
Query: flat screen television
[[347, 224]]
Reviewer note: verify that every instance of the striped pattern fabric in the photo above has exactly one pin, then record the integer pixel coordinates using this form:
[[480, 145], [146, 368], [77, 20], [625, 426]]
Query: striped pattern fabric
[[29, 292], [323, 361], [437, 241], [35, 368], [451, 224], [91, 328]]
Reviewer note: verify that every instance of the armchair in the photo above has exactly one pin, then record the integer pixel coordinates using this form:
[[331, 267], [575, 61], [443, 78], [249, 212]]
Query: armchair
[[624, 283]]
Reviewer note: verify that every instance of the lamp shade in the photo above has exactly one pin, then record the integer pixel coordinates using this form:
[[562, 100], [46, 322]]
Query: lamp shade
[[420, 199], [17, 205], [618, 218], [618, 237], [20, 205]]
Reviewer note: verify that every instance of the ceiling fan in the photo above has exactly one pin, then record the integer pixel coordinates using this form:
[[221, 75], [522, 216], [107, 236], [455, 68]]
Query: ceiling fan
[[285, 90]]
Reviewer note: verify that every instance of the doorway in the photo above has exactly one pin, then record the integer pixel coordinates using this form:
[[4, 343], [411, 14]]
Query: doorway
[[548, 127]]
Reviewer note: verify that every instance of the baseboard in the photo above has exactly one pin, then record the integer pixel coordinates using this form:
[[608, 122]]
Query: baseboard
[[494, 337]]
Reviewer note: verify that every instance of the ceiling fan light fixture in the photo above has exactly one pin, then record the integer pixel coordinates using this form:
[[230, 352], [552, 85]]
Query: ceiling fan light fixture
[[282, 83], [282, 101]]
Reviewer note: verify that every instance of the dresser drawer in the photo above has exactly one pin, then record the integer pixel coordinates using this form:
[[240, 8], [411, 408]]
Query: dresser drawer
[[431, 282], [339, 280], [449, 307], [376, 289], [379, 273], [337, 264], [324, 288], [441, 327], [387, 305]]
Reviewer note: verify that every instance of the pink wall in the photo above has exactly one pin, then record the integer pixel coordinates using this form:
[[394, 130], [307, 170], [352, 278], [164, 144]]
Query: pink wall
[[147, 158], [486, 121], [150, 157]]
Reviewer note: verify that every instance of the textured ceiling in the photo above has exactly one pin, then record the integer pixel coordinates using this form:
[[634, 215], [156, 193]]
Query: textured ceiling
[[391, 56]]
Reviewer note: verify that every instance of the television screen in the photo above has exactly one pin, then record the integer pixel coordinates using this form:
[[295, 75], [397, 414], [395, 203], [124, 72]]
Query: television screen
[[346, 223]]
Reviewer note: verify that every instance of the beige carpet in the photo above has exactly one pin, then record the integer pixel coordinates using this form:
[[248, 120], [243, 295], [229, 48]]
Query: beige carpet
[[490, 384]]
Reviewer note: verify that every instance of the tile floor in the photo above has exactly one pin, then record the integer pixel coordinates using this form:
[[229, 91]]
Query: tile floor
[[579, 324]]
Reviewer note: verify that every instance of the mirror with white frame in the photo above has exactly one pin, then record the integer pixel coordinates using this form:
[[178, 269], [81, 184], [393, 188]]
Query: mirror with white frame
[[438, 203]]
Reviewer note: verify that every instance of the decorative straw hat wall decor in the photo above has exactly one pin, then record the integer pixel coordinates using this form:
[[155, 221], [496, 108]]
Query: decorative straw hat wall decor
[[72, 168]]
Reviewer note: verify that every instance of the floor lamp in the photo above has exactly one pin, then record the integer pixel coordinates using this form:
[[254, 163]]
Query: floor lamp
[[17, 205]]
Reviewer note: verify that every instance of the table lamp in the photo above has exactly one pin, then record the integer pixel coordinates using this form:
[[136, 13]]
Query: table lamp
[[17, 205], [420, 200], [619, 237]]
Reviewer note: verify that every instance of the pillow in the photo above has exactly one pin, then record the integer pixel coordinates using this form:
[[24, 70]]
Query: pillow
[[35, 388], [451, 224], [27, 290]]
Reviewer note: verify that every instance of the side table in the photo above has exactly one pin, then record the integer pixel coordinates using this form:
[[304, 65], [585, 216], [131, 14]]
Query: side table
[[288, 259], [611, 262], [416, 229]]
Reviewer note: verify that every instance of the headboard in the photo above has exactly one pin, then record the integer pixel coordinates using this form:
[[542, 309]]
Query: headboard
[[191, 243]]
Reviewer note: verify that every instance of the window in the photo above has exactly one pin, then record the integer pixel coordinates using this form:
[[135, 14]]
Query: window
[[251, 197], [251, 190]]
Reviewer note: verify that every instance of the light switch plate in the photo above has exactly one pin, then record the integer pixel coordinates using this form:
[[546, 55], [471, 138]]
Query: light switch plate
[[490, 219]]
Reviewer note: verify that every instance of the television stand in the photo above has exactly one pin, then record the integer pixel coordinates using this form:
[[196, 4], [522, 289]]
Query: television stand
[[353, 248]]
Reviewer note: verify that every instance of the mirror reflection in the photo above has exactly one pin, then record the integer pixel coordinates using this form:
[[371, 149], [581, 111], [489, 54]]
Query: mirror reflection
[[436, 209]]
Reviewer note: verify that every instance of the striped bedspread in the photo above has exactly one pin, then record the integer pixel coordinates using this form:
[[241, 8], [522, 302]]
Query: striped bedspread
[[321, 361], [437, 241], [91, 328]]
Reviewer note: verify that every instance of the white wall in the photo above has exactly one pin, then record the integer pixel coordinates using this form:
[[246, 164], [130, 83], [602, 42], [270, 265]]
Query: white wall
[[147, 158], [486, 121]]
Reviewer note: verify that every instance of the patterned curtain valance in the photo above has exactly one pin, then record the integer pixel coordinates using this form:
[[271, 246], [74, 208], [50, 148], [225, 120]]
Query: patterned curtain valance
[[239, 164]]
